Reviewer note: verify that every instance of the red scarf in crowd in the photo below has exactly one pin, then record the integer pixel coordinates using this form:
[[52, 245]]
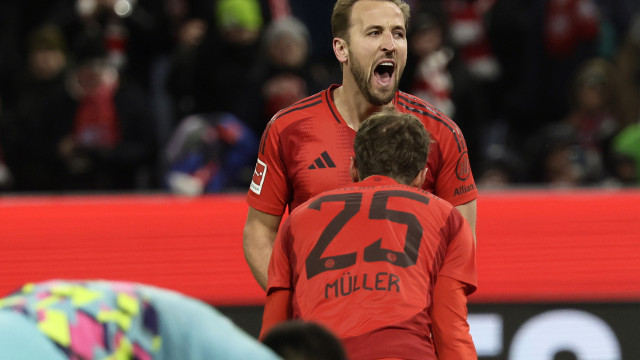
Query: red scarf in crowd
[[96, 123]]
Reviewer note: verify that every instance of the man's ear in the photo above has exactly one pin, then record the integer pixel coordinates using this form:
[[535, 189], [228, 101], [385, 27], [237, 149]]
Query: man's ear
[[419, 179], [353, 170], [341, 50]]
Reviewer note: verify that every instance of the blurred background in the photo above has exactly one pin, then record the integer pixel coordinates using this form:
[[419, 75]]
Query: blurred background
[[129, 129], [173, 95]]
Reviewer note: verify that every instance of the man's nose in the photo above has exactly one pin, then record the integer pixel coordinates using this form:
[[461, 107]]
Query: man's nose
[[388, 42]]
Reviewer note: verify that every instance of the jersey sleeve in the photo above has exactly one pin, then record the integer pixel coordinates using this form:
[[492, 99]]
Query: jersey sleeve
[[452, 339], [279, 274], [277, 309], [269, 190], [460, 258], [454, 182]]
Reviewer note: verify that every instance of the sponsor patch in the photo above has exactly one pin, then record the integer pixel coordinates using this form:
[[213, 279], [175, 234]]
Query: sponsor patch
[[463, 169], [464, 189], [258, 177]]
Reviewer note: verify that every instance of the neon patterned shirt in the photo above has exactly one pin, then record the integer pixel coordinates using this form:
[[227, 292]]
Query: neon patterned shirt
[[107, 320], [92, 320]]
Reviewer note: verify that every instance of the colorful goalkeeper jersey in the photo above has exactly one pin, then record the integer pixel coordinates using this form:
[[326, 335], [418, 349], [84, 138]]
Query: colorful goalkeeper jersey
[[85, 320], [307, 148], [363, 261]]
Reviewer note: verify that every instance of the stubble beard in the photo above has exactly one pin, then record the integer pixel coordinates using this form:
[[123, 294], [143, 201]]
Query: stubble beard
[[364, 84]]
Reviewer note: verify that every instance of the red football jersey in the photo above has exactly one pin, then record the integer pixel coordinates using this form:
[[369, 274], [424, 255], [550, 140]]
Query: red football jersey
[[307, 148], [362, 260]]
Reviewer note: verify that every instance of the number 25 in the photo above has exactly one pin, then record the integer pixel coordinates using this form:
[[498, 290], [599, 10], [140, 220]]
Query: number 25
[[317, 264]]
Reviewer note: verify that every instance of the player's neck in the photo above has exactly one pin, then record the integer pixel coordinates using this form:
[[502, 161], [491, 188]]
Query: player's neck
[[352, 105]]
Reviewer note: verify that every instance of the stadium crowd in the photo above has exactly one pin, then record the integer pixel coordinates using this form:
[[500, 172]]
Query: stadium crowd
[[173, 95]]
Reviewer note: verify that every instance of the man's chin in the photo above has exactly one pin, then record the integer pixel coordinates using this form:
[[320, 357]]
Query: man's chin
[[382, 97]]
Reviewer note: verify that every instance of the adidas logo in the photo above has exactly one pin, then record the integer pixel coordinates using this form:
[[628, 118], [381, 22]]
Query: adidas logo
[[320, 164]]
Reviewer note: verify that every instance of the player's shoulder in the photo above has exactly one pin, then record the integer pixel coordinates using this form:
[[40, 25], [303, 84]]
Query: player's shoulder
[[300, 110], [431, 117], [433, 198], [418, 106], [437, 205]]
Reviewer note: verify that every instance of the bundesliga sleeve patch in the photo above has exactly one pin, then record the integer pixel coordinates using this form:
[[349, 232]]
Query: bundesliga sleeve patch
[[258, 177]]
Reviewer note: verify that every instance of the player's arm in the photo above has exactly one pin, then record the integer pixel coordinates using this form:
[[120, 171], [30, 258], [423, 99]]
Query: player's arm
[[277, 309], [469, 211], [258, 236], [457, 278], [454, 181], [278, 306], [451, 335]]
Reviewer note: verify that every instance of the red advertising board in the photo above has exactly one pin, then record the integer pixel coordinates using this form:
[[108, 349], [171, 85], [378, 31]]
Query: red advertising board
[[533, 246]]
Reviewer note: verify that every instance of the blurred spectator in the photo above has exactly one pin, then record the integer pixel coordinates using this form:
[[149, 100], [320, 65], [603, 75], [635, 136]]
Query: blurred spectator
[[478, 73], [130, 31], [436, 73], [469, 33], [567, 23], [626, 155], [47, 56], [182, 25], [210, 153], [575, 151], [559, 36], [97, 134], [316, 16], [182, 79], [283, 74], [427, 73], [18, 19], [44, 76], [239, 21], [211, 69]]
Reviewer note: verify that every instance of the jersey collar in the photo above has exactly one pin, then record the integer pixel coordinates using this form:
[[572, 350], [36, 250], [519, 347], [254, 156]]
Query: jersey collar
[[377, 180]]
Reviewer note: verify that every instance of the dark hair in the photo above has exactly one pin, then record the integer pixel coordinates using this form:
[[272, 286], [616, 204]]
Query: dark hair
[[341, 16], [392, 144], [303, 340]]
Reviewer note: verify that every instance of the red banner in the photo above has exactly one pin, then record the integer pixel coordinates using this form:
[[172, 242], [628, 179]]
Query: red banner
[[532, 246]]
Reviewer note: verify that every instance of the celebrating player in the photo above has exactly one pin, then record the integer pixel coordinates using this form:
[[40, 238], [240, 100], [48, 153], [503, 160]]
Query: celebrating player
[[306, 148], [386, 266]]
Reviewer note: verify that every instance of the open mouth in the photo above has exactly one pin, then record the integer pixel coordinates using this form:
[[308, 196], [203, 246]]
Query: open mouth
[[384, 72]]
